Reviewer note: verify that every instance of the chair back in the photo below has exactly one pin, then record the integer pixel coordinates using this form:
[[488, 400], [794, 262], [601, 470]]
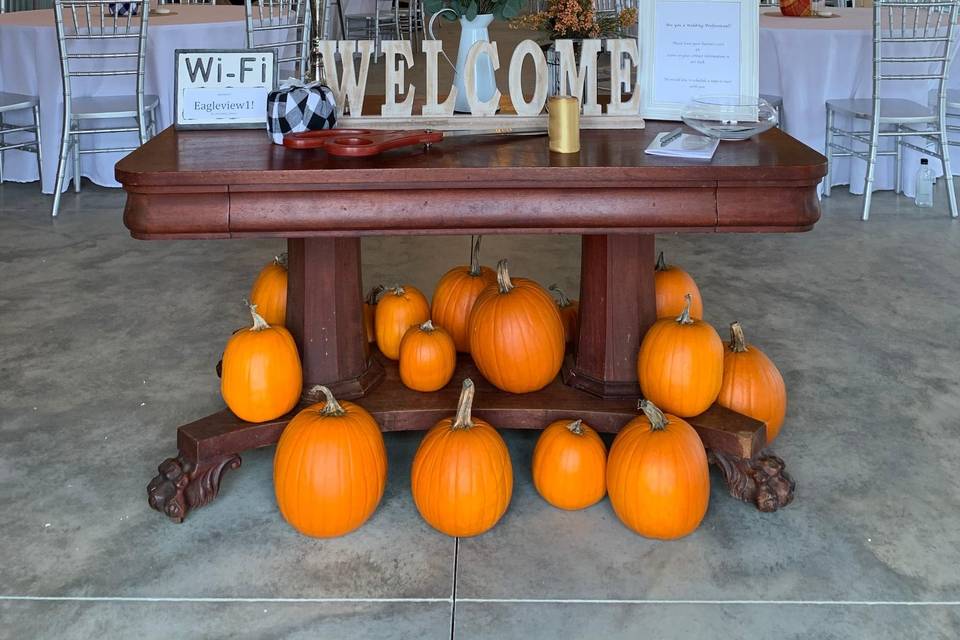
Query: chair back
[[283, 25]]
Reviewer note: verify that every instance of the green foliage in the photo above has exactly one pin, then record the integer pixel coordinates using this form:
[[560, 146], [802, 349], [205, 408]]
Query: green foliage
[[470, 9]]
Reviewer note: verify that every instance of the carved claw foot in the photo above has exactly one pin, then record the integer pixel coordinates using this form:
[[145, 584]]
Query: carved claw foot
[[183, 485], [761, 480]]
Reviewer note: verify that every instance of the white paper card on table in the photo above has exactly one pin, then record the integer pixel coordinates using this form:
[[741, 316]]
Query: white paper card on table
[[687, 145], [223, 89]]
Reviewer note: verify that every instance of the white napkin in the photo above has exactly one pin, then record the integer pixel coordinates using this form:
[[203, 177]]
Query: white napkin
[[686, 146]]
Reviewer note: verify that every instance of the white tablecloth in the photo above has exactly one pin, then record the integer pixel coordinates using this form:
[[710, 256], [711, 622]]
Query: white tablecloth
[[29, 64], [810, 60]]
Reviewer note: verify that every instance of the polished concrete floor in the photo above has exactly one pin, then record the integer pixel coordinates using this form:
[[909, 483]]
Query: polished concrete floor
[[109, 343]]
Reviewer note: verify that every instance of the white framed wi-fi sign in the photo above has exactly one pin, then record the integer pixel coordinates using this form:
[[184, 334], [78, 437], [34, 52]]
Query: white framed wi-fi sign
[[223, 88]]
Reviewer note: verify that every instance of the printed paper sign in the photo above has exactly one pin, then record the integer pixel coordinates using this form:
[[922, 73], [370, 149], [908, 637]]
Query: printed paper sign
[[223, 89]]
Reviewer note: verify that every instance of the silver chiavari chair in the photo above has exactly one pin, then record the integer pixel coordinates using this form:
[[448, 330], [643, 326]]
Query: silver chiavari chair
[[912, 41], [96, 42], [283, 25], [384, 21], [9, 103]]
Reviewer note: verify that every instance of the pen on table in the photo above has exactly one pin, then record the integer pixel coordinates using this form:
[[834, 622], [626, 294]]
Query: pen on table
[[670, 137]]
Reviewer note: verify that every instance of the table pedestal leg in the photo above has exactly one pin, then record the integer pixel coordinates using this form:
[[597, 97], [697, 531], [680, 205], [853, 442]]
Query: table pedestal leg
[[761, 480], [183, 484]]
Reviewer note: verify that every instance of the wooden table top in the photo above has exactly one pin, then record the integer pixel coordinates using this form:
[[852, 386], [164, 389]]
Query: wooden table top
[[240, 184]]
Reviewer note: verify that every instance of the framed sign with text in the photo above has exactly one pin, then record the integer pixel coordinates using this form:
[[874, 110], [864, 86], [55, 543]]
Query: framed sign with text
[[692, 48], [223, 88]]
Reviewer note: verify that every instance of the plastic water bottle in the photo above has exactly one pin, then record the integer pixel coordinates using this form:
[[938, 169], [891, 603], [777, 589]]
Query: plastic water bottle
[[925, 182]]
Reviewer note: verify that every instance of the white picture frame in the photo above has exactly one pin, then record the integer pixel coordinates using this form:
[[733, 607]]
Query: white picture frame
[[687, 49], [223, 88]]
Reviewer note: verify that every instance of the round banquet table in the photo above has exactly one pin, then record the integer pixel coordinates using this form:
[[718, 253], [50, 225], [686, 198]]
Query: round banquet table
[[29, 64], [810, 60]]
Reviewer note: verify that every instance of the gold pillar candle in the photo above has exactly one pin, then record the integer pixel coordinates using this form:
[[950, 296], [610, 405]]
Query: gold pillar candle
[[563, 124]]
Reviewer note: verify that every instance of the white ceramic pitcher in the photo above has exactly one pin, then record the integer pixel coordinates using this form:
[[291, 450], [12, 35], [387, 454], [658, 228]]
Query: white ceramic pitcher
[[471, 31]]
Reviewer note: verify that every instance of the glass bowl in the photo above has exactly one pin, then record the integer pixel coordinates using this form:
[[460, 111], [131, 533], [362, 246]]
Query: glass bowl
[[729, 117]]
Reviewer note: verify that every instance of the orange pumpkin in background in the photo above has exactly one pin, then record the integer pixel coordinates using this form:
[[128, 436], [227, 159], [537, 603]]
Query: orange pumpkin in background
[[269, 292], [672, 284], [261, 377], [400, 308], [796, 8], [455, 294], [462, 479], [680, 364], [516, 334], [569, 312], [427, 357], [752, 384], [370, 310], [657, 475], [570, 465], [330, 468]]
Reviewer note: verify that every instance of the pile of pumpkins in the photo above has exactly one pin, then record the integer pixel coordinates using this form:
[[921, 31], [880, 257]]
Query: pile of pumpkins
[[330, 466]]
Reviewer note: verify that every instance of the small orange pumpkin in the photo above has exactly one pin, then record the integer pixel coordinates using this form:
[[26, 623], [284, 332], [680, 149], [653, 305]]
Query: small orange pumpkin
[[569, 312], [330, 468], [455, 294], [427, 357], [795, 8], [672, 284], [269, 291], [370, 310], [261, 378], [516, 334], [462, 479], [400, 308], [752, 384], [570, 465], [657, 475], [680, 364]]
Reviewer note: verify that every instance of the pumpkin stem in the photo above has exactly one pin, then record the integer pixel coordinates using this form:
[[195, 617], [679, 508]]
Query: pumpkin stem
[[463, 419], [738, 344], [503, 277], [281, 259], [576, 427], [259, 324], [374, 295], [661, 263], [658, 421], [562, 300], [684, 317], [475, 255], [428, 326], [332, 407], [396, 290]]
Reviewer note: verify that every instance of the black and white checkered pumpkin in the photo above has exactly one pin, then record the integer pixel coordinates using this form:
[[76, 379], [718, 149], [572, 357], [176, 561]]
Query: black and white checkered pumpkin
[[293, 109]]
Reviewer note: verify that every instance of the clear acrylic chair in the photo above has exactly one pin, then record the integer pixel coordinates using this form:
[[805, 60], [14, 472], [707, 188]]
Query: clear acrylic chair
[[95, 44], [285, 26], [10, 103], [912, 42]]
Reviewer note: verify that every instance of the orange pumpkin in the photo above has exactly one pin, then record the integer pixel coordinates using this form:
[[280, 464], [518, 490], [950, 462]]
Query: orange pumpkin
[[672, 285], [752, 384], [370, 310], [427, 357], [462, 478], [657, 476], [400, 308], [455, 294], [569, 312], [269, 291], [796, 7], [330, 468], [261, 378], [570, 465], [680, 364], [516, 334]]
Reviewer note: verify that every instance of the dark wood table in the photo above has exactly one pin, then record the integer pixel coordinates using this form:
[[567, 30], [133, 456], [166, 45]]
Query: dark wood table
[[235, 184]]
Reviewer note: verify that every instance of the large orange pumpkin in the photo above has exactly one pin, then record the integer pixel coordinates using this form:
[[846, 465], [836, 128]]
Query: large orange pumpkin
[[455, 294], [570, 465], [569, 312], [752, 384], [269, 291], [462, 478], [427, 357], [657, 475], [370, 310], [330, 468], [672, 284], [400, 308], [680, 364], [516, 334], [261, 378]]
